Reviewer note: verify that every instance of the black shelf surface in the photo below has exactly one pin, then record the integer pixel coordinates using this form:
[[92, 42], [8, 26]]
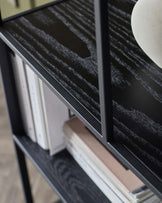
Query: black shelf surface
[[62, 173], [58, 42]]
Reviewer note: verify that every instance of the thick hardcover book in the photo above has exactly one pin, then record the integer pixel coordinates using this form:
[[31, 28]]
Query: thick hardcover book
[[37, 108], [56, 113], [23, 96], [88, 151]]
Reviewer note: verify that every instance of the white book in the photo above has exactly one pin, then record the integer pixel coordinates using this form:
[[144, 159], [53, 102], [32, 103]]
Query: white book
[[56, 113], [37, 108], [23, 96]]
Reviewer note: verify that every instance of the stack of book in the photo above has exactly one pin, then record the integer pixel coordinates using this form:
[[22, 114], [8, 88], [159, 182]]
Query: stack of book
[[43, 114], [117, 183]]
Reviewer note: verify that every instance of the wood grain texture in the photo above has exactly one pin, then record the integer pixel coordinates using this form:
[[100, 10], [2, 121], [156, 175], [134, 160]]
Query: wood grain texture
[[137, 94], [62, 39], [63, 173]]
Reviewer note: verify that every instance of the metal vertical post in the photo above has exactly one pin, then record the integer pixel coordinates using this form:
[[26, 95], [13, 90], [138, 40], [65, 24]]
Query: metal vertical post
[[23, 171], [14, 115], [10, 90], [104, 70]]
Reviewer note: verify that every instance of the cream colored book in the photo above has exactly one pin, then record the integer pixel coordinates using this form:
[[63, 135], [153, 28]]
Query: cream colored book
[[55, 113], [37, 108], [23, 96]]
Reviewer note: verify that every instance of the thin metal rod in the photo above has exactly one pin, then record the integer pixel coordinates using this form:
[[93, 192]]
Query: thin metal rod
[[104, 70], [10, 90], [23, 174]]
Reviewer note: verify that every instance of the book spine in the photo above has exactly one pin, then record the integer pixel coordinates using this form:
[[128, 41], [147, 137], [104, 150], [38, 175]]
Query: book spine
[[23, 96], [56, 113], [37, 108]]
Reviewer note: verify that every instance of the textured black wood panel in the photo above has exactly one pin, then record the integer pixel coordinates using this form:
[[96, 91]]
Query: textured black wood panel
[[62, 39], [137, 94], [62, 173]]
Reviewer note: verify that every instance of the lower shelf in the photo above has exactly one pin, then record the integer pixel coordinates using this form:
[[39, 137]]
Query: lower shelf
[[63, 174]]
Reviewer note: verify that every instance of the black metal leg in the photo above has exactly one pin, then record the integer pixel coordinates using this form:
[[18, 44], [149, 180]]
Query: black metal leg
[[10, 91], [23, 174], [14, 114]]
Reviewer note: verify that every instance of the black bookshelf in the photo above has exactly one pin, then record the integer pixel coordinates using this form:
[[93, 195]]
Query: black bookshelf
[[77, 72]]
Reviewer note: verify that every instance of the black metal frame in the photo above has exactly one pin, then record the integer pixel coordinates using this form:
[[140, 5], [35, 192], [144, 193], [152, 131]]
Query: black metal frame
[[104, 72], [14, 116]]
